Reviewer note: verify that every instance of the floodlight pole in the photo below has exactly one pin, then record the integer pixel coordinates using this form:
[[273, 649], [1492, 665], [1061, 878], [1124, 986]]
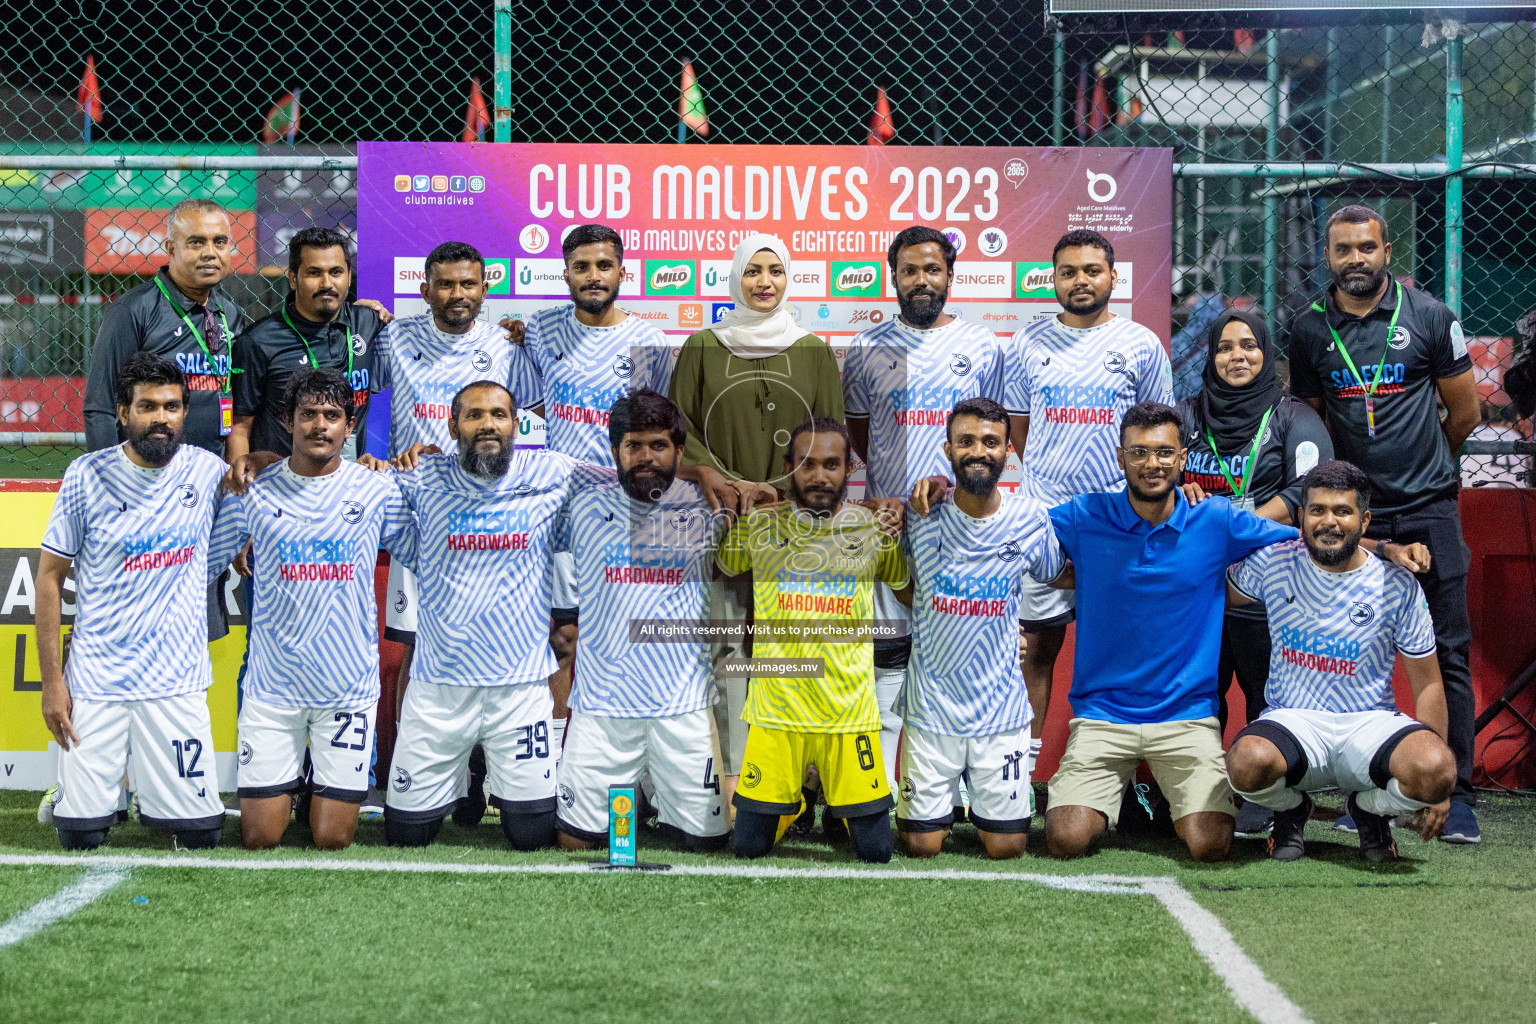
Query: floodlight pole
[[1059, 89], [1271, 154], [1453, 184], [503, 70], [1389, 39]]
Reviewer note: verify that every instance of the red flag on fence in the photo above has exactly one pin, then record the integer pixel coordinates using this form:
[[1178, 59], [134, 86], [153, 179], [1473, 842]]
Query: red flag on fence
[[477, 116], [282, 120], [881, 130], [88, 96], [690, 103], [1242, 40]]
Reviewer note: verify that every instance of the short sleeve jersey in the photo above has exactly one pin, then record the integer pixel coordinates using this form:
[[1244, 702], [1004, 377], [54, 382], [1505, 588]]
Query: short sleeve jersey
[[1409, 461], [806, 568], [139, 541], [638, 561], [315, 540], [581, 371], [1334, 635], [906, 381], [961, 680], [426, 367], [1075, 385], [482, 563]]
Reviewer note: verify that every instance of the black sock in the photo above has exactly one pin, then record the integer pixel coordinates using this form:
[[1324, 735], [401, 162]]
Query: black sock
[[529, 831], [199, 839], [755, 833], [409, 833], [82, 839], [872, 839]]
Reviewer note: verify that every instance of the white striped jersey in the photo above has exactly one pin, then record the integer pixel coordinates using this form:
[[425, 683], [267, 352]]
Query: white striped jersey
[[581, 371], [139, 541], [1075, 385], [314, 628], [482, 568], [426, 367], [637, 560], [906, 381], [964, 678], [1334, 635]]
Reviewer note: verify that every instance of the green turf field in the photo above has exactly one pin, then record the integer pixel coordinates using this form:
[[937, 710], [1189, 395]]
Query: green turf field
[[1449, 934]]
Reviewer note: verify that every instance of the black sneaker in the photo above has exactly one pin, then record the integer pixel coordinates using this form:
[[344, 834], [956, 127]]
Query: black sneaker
[[1285, 838], [1376, 842], [1253, 820], [469, 811]]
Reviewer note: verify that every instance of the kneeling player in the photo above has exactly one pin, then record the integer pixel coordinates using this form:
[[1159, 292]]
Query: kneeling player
[[316, 524], [814, 562], [135, 520], [967, 709], [482, 663], [1337, 618], [643, 543]]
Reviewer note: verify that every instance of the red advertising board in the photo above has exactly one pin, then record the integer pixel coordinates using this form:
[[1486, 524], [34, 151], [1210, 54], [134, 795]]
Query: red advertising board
[[133, 241]]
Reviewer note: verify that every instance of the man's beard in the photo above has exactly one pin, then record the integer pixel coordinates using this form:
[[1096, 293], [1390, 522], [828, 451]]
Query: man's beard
[[813, 502], [978, 485], [491, 467], [590, 304], [1361, 287], [1332, 557], [648, 485], [1095, 305], [458, 314], [1141, 495], [153, 446], [922, 313]]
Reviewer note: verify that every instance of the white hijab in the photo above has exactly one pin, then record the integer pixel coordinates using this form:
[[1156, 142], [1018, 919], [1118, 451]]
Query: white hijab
[[746, 333]]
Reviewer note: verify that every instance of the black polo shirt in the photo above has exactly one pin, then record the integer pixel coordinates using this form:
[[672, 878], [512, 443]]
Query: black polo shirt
[[269, 352], [143, 321], [1409, 462]]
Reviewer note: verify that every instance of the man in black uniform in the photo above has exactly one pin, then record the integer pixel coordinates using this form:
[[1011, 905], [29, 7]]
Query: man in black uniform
[[316, 327], [1372, 356]]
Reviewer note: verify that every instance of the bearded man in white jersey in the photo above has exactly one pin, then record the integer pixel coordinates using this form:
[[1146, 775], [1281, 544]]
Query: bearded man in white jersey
[[135, 520], [1338, 618], [317, 523]]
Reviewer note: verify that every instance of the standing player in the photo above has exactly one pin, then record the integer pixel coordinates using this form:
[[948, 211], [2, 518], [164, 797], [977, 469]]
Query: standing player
[[1071, 378], [586, 355], [900, 381], [815, 558], [135, 520], [316, 523], [1338, 618], [967, 709], [483, 519], [643, 543]]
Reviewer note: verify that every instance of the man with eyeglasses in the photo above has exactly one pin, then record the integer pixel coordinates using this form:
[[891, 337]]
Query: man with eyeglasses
[[1150, 570]]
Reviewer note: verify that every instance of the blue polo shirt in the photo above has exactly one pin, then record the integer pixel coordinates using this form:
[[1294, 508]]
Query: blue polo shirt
[[1150, 601]]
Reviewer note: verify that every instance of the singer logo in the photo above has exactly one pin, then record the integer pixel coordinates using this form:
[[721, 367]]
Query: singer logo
[[860, 280], [663, 277]]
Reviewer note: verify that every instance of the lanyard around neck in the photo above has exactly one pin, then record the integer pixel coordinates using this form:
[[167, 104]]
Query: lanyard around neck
[[1369, 390], [1239, 490], [310, 352], [196, 333]]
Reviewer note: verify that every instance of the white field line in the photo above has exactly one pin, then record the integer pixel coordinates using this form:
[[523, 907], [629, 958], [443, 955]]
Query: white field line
[[96, 881], [1248, 985]]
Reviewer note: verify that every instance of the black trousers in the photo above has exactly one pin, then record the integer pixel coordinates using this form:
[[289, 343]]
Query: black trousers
[[1438, 527], [1245, 653]]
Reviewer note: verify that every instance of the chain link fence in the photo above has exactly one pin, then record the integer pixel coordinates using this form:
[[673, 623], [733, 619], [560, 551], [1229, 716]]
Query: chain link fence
[[1272, 131]]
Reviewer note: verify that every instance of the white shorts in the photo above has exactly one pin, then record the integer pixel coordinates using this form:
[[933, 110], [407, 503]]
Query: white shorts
[[1339, 746], [173, 764], [440, 725], [562, 582], [400, 604], [1043, 605], [272, 742], [996, 770], [678, 752]]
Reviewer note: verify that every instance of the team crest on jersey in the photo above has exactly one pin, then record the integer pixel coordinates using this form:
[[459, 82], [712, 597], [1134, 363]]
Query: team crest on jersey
[[481, 360], [187, 495], [1114, 362], [623, 367], [751, 775], [359, 344], [352, 512], [402, 780], [1009, 551], [907, 789], [1400, 338], [960, 364], [1361, 613], [400, 601], [567, 797], [245, 752]]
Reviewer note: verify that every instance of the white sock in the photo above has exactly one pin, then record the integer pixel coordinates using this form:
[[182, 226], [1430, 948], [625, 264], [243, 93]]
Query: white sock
[[1277, 796], [1389, 801]]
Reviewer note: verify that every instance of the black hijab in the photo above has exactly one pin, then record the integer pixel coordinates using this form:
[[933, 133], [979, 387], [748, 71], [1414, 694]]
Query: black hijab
[[1233, 414]]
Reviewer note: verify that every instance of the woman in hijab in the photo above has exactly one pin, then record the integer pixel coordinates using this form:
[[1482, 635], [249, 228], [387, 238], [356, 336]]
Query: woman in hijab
[[743, 385], [1250, 443]]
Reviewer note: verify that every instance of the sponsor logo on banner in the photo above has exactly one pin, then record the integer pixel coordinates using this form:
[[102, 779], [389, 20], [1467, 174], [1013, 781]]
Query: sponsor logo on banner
[[133, 241], [1102, 187], [410, 274], [669, 277], [808, 280], [991, 242], [956, 238], [1016, 171], [539, 277], [402, 183], [856, 279], [977, 280], [715, 278], [629, 284], [1034, 280], [690, 314], [498, 277], [718, 310], [534, 238]]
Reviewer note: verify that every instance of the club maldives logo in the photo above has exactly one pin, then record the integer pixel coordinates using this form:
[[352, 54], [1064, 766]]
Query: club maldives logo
[[1034, 280], [669, 277], [856, 280]]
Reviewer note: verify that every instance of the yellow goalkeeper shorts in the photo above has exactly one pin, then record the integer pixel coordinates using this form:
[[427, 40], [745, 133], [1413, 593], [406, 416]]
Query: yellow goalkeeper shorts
[[851, 768]]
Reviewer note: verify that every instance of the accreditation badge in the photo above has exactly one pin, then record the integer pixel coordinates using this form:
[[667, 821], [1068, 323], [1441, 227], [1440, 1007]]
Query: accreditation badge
[[1245, 503]]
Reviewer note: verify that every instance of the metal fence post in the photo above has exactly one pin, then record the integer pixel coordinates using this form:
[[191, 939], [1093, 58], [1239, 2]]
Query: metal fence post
[[1271, 201], [1059, 89], [1453, 184], [503, 70], [1389, 39]]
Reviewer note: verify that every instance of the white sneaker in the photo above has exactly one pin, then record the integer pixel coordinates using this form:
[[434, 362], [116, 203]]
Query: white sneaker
[[45, 806]]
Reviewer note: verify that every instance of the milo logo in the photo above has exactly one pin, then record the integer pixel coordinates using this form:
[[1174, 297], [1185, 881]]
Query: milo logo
[[860, 280], [498, 277], [1034, 281], [663, 277]]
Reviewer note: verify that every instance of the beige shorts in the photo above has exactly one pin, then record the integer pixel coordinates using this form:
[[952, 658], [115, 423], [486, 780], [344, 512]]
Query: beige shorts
[[1185, 757]]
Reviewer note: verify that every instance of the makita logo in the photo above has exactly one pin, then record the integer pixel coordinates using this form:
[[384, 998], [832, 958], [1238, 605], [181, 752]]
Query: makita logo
[[1038, 280], [856, 277], [672, 276]]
